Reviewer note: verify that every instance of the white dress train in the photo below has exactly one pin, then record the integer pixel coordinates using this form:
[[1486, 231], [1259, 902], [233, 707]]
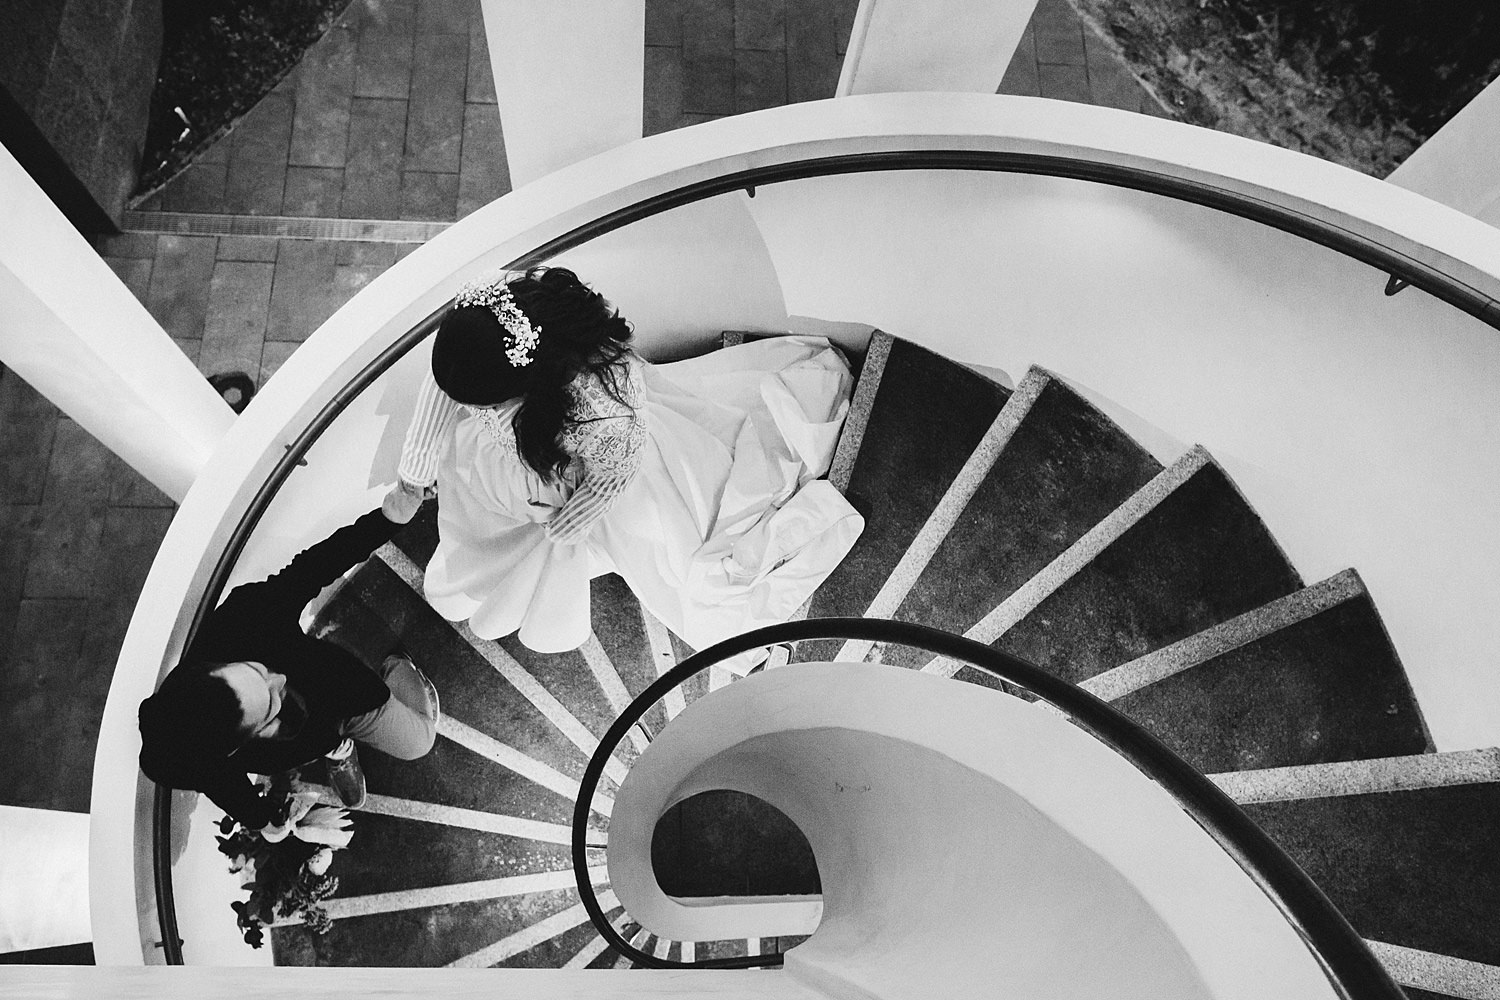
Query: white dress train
[[701, 489]]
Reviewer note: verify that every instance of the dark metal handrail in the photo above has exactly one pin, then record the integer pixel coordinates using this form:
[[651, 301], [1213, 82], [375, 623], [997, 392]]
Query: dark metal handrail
[[1347, 961], [1423, 275]]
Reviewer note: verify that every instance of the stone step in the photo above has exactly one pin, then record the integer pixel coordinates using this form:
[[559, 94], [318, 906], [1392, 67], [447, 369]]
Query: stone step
[[727, 843], [1185, 553], [1427, 976], [919, 419], [1362, 777], [1307, 679], [1064, 467], [515, 764], [1415, 868]]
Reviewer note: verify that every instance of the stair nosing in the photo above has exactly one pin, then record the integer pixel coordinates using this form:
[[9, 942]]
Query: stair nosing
[[976, 468], [1075, 557], [1361, 777], [1224, 637], [1438, 973], [861, 404]]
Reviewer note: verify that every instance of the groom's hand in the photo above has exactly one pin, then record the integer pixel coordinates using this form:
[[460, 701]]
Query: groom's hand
[[401, 503]]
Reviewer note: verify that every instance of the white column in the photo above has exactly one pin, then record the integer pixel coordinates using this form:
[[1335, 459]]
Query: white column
[[568, 78], [71, 328], [1460, 165], [44, 878], [951, 45]]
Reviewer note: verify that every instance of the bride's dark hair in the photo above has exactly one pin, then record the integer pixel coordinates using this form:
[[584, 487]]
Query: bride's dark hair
[[579, 330]]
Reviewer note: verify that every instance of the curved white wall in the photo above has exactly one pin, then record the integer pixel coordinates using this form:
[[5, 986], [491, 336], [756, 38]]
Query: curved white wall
[[835, 265], [969, 844]]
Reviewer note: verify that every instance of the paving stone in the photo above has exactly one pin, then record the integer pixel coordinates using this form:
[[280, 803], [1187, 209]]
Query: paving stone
[[254, 187], [313, 192], [1059, 33], [65, 546], [18, 523], [199, 188], [325, 86], [1063, 82], [372, 182], [480, 82], [663, 89], [192, 348], [759, 80], [664, 22], [265, 131], [844, 12], [442, 17], [708, 85], [255, 248], [364, 253], [760, 24], [132, 536], [28, 423], [382, 64], [483, 173], [429, 196], [812, 58], [128, 488], [385, 15], [1110, 81], [348, 279], [707, 30], [434, 126], [1021, 75], [134, 273], [300, 289], [180, 278], [126, 245], [272, 357], [239, 301]]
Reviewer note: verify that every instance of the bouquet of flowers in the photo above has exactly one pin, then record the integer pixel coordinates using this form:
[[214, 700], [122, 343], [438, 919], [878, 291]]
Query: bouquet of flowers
[[287, 877]]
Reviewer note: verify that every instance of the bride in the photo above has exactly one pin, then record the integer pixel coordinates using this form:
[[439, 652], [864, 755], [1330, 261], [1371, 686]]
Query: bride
[[558, 455]]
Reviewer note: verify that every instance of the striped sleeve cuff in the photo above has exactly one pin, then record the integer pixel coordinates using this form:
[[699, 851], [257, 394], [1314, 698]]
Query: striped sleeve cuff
[[430, 422]]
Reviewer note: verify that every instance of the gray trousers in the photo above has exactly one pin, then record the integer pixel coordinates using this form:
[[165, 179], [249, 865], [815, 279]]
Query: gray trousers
[[406, 725]]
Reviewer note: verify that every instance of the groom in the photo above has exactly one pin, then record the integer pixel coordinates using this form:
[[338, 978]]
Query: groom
[[255, 694]]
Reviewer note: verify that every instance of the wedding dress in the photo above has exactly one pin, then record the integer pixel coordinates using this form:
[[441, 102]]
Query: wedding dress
[[700, 486]]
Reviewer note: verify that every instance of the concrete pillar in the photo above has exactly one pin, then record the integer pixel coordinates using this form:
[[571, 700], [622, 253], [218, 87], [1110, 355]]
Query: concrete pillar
[[72, 330], [568, 78], [1460, 165], [947, 45], [44, 878]]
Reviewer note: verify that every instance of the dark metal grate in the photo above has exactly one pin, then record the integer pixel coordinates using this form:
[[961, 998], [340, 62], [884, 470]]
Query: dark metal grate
[[282, 227]]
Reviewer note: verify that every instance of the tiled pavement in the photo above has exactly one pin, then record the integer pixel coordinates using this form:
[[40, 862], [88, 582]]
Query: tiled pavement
[[390, 116]]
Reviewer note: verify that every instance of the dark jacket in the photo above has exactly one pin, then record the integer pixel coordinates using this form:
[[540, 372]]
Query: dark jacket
[[259, 622]]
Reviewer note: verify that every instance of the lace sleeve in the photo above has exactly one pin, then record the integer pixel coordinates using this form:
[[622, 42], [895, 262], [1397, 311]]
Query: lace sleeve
[[425, 435], [609, 449]]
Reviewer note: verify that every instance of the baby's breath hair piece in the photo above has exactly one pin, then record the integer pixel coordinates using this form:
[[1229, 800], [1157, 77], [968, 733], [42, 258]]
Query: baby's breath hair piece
[[521, 335]]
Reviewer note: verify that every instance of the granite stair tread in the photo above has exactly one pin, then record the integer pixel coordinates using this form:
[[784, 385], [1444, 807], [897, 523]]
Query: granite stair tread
[[1199, 557], [927, 416], [1065, 467], [1416, 869], [1329, 687]]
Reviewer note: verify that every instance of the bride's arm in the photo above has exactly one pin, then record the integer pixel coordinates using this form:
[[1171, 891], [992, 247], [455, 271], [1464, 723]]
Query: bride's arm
[[610, 458], [417, 470]]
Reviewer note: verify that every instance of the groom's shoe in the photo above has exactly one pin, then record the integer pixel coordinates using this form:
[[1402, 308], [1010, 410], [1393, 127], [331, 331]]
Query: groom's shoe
[[346, 776]]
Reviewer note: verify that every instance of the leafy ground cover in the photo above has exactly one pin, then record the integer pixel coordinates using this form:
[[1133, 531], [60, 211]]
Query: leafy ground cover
[[218, 58], [1358, 82]]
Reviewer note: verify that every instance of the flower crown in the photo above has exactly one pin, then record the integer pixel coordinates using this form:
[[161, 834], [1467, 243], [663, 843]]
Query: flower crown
[[521, 335]]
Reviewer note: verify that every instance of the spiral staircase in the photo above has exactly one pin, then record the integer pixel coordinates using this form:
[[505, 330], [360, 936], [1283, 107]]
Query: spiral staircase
[[1021, 517]]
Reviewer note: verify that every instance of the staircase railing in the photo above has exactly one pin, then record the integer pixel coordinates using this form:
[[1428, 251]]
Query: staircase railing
[[1347, 961]]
